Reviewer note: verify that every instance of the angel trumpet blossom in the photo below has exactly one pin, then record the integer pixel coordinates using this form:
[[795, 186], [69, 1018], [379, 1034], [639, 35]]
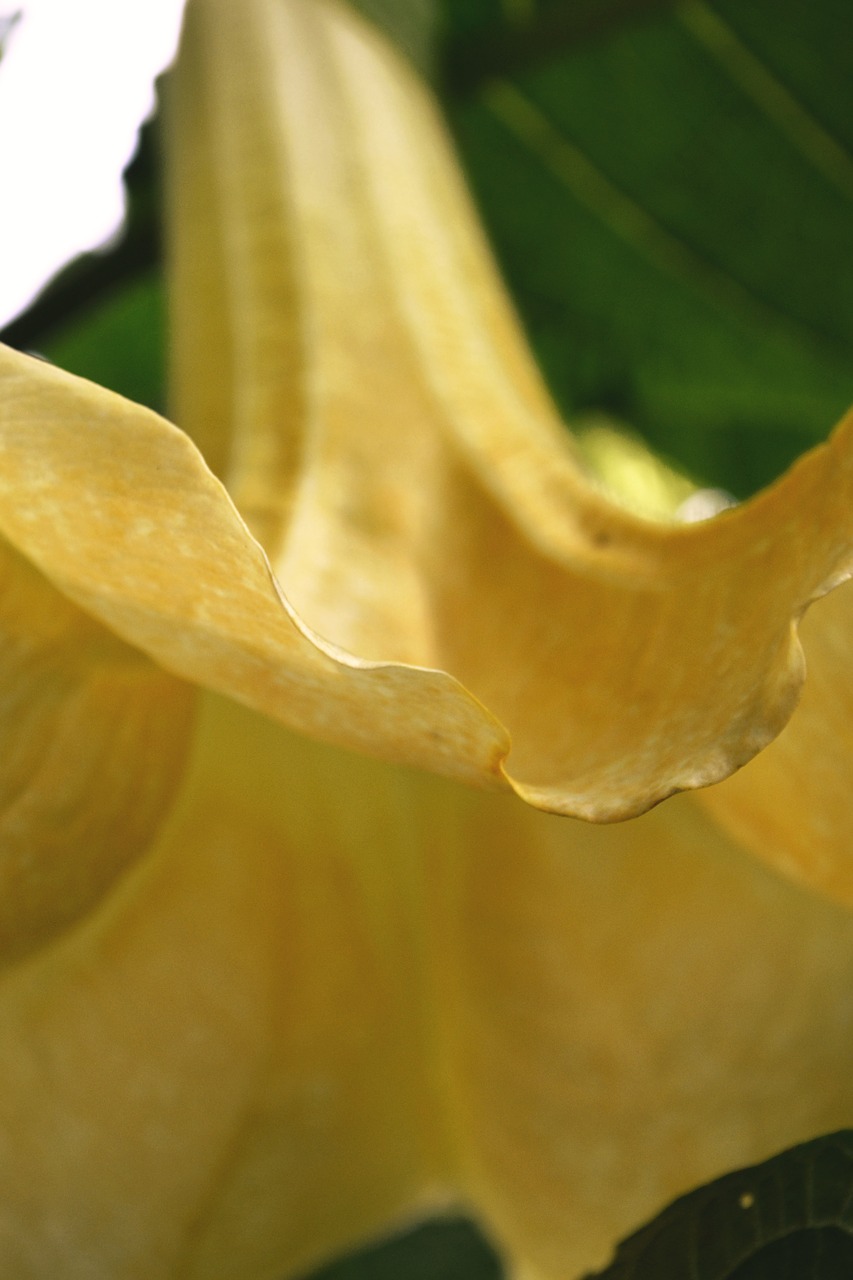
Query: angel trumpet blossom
[[274, 979]]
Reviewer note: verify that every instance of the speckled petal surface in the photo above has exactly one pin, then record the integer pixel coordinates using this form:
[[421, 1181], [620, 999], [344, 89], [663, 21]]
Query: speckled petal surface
[[118, 509]]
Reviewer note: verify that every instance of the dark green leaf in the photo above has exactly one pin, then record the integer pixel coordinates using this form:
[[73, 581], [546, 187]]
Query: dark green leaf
[[446, 1249], [790, 1218], [118, 342], [412, 25], [485, 39], [672, 208]]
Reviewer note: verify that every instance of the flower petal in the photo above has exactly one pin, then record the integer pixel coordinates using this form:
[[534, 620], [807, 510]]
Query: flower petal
[[224, 1070], [793, 805], [118, 509], [451, 576], [630, 1011], [392, 446], [92, 746]]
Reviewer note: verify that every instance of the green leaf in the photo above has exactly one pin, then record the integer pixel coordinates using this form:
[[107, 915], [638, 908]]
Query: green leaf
[[790, 1218], [445, 1249], [118, 341], [671, 203], [412, 25], [485, 39]]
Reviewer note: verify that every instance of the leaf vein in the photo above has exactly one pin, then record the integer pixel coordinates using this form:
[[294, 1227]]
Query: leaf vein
[[804, 133], [565, 160]]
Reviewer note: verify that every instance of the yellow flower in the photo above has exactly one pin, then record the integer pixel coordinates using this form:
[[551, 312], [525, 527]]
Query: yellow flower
[[265, 995]]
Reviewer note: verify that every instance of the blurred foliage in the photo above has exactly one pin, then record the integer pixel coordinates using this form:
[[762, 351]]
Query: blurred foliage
[[670, 201], [488, 39], [790, 1218], [118, 340], [413, 25], [446, 1249], [668, 191]]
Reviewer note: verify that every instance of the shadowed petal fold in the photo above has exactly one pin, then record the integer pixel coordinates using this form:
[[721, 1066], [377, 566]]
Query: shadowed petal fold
[[226, 1068], [94, 741]]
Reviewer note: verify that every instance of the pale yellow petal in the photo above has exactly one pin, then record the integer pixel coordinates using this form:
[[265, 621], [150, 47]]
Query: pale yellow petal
[[793, 805], [93, 739], [392, 446], [630, 1011], [117, 508], [226, 1070], [336, 994]]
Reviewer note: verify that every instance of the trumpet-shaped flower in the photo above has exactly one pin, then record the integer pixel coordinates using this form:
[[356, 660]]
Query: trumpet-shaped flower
[[275, 977]]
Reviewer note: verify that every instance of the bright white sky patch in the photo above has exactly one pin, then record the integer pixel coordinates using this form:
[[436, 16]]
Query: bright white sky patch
[[75, 84]]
